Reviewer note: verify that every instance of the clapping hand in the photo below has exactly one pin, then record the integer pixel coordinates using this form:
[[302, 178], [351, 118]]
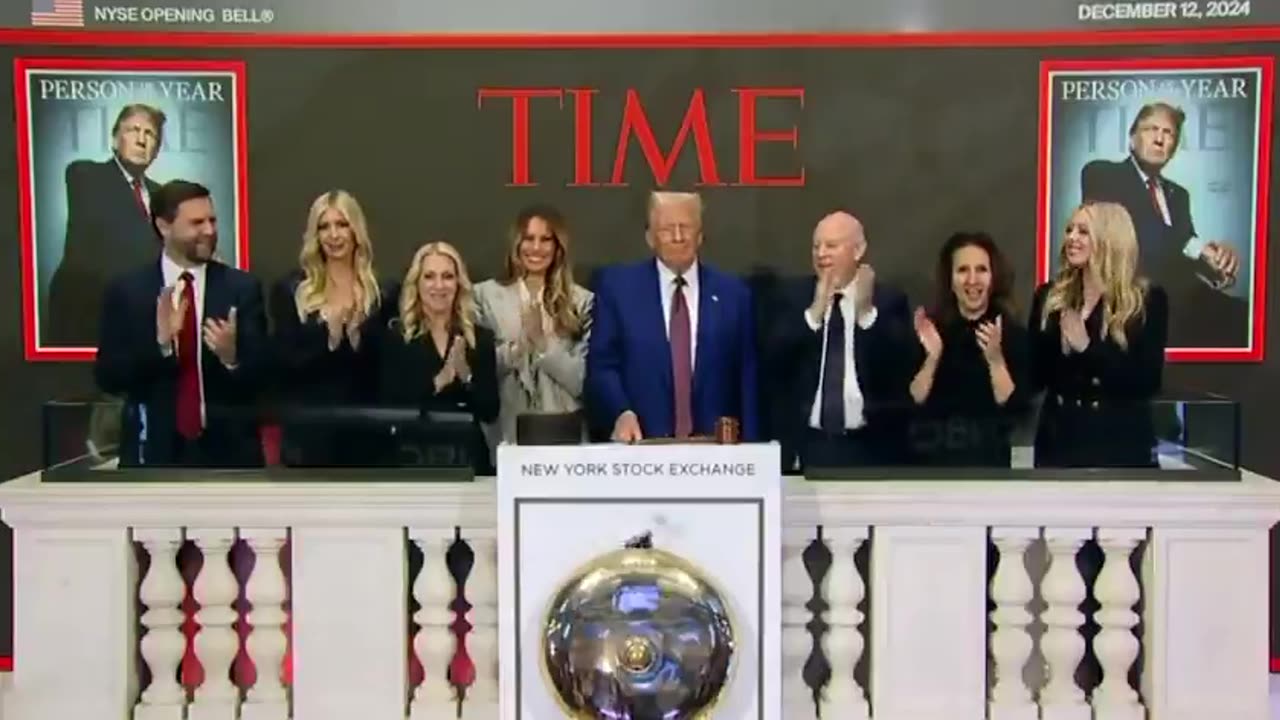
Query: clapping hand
[[864, 288], [927, 332], [169, 319], [220, 337], [1074, 335], [822, 293], [989, 335], [458, 360], [337, 321], [531, 327]]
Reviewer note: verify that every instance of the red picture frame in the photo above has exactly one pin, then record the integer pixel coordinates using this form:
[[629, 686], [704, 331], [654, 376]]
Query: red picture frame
[[34, 350], [1254, 351]]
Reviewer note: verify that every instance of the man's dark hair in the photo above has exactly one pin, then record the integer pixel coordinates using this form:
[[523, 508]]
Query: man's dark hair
[[165, 201], [155, 114]]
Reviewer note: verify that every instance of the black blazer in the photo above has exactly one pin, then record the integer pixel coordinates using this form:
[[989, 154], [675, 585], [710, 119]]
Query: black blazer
[[107, 235], [129, 363], [959, 423], [309, 375], [1097, 408], [408, 371], [1207, 318], [880, 354]]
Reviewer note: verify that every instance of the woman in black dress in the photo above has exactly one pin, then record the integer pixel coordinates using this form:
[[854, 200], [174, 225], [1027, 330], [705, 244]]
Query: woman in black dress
[[329, 318], [971, 360], [1097, 347], [437, 358]]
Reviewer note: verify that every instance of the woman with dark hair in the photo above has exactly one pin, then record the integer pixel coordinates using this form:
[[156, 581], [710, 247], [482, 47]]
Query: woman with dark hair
[[541, 319], [971, 362]]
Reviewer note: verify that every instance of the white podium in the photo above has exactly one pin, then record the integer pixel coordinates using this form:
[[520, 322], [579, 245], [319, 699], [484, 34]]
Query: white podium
[[717, 506]]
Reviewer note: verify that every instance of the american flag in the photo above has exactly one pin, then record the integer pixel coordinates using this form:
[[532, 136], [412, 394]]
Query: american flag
[[57, 13]]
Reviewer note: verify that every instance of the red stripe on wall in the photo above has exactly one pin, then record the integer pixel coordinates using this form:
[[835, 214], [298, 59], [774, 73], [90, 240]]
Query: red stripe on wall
[[999, 38]]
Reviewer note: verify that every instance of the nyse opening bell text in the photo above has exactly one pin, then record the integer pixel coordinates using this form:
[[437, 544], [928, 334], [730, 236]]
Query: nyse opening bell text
[[1165, 10], [183, 15]]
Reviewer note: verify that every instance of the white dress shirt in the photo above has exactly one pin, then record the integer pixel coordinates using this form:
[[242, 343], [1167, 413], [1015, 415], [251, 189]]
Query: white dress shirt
[[1195, 245], [146, 194], [853, 400], [666, 288], [172, 273]]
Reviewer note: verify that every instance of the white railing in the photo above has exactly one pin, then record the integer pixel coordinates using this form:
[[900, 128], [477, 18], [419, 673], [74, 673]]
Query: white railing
[[914, 616]]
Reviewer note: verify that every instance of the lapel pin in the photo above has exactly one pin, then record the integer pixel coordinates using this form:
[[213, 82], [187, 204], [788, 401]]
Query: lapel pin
[[715, 298]]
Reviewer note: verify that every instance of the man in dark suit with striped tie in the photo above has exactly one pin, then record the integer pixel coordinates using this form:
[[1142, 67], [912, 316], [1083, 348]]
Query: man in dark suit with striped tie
[[184, 339], [842, 338], [108, 225]]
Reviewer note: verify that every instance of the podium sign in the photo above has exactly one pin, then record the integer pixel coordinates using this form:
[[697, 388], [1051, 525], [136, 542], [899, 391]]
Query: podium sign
[[716, 508]]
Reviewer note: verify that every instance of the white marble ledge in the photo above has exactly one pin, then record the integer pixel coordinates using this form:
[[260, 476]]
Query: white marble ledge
[[1252, 501], [27, 501]]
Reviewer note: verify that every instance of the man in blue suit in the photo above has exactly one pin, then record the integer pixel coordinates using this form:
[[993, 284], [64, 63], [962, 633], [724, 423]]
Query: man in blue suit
[[672, 345]]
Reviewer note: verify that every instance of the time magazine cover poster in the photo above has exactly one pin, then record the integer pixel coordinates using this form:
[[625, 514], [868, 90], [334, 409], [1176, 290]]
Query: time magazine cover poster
[[1184, 145], [95, 138]]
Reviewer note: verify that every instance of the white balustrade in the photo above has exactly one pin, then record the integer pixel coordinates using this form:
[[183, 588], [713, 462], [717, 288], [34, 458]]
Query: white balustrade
[[266, 592], [1117, 592], [797, 641], [843, 643], [1011, 645], [216, 642], [1063, 646], [163, 644], [1204, 597], [434, 642], [482, 642]]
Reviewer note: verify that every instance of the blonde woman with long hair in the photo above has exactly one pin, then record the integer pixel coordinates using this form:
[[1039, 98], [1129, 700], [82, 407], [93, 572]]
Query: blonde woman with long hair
[[541, 319], [329, 315], [437, 358], [1098, 334]]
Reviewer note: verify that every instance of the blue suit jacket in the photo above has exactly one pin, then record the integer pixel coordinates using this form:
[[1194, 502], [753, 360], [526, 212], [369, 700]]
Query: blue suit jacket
[[629, 356]]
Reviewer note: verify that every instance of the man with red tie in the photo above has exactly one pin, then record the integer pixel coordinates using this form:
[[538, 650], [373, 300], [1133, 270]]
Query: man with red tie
[[1197, 273], [183, 339], [672, 346], [108, 225]]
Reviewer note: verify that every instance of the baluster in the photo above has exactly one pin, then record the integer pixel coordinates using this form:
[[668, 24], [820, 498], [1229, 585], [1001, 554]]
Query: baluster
[[481, 700], [266, 591], [797, 643], [435, 642], [163, 644], [1010, 642], [842, 644], [1116, 646], [216, 641], [1063, 647]]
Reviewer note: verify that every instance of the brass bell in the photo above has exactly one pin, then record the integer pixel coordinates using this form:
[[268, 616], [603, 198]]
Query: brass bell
[[638, 633]]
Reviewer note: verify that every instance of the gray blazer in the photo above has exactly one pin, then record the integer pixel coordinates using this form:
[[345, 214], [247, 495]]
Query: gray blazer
[[551, 383]]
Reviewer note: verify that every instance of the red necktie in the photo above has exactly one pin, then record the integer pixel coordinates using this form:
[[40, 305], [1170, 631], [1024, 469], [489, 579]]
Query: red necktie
[[137, 196], [1154, 186], [189, 424], [682, 361]]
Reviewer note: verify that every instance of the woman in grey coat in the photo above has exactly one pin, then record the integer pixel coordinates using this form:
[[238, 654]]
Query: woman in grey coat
[[541, 320]]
